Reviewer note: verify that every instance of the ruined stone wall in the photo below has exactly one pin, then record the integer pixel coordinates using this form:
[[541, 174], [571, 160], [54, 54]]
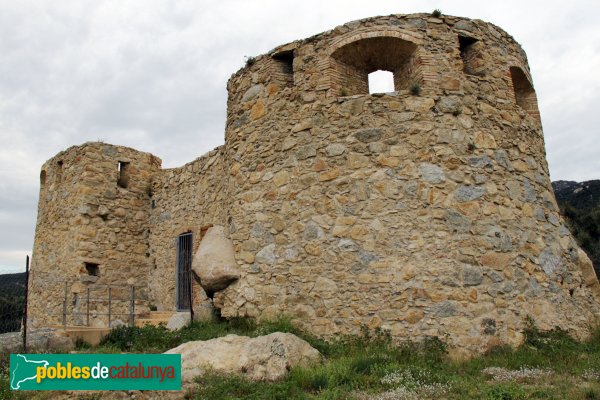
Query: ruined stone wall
[[427, 215], [424, 215], [84, 216], [186, 199]]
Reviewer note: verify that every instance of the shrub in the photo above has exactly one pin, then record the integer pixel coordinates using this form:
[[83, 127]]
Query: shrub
[[436, 13], [415, 89], [250, 61]]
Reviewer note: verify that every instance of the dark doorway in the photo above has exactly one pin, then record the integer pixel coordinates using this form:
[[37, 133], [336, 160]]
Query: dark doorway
[[184, 271]]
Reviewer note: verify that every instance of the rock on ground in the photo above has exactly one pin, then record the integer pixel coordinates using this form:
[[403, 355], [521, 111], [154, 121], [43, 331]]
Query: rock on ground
[[178, 321], [267, 357], [45, 339]]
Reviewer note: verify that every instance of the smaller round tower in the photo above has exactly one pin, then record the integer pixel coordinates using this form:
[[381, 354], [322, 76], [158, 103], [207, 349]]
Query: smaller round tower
[[92, 231]]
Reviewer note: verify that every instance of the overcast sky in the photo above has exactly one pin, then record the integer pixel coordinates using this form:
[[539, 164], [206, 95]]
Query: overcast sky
[[152, 75]]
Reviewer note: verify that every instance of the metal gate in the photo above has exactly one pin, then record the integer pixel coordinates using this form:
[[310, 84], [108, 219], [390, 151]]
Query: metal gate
[[184, 269]]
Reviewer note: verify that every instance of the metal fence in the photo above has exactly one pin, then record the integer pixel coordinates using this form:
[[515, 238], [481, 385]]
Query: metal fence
[[106, 304]]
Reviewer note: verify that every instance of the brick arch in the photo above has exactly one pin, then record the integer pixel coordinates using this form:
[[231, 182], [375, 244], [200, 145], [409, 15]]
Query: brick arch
[[369, 34], [353, 58]]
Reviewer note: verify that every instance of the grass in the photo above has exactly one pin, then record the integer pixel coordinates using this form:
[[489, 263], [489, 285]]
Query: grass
[[151, 339], [549, 365]]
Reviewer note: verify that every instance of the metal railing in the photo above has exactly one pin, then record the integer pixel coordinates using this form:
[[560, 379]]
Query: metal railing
[[90, 303]]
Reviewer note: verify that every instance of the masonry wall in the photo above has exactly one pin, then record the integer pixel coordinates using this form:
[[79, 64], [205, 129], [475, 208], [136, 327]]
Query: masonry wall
[[186, 199]]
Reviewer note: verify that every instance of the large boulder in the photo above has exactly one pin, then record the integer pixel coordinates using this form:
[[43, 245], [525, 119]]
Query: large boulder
[[267, 357], [214, 262]]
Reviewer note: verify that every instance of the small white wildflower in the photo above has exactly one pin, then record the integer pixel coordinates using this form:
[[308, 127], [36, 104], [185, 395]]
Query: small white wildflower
[[524, 373], [409, 383], [591, 375]]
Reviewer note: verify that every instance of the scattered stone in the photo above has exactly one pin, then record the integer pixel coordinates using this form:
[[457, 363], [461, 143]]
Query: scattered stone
[[468, 193], [549, 261], [369, 135], [335, 149], [472, 276], [263, 358], [306, 151], [252, 92], [432, 173], [450, 104], [445, 309], [347, 245], [480, 161], [178, 321], [266, 255], [457, 221], [313, 231]]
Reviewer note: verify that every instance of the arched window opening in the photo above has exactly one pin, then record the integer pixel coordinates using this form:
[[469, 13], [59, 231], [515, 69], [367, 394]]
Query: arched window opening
[[381, 82], [524, 93], [352, 63]]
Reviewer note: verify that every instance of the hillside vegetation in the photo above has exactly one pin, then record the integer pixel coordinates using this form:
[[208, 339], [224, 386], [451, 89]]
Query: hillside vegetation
[[580, 205], [12, 296]]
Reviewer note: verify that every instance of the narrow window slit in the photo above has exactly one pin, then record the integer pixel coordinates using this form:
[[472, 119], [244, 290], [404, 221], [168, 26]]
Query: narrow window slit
[[123, 174]]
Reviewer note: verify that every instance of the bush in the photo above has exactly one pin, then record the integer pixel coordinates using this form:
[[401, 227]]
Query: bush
[[415, 89], [250, 61]]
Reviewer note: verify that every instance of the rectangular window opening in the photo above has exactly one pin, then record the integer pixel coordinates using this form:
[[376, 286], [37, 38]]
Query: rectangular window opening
[[92, 269], [123, 174], [381, 82], [284, 67], [470, 52]]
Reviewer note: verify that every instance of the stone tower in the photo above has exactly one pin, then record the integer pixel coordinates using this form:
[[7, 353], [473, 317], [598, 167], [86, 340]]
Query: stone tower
[[426, 211], [92, 229]]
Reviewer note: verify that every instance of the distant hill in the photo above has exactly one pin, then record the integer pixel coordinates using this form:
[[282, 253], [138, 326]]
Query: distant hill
[[580, 205], [12, 297]]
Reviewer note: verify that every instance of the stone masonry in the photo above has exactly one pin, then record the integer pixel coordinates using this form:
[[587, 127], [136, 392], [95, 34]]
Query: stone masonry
[[426, 211]]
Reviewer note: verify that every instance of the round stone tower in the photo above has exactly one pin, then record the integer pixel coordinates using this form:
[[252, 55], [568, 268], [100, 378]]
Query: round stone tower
[[92, 231], [427, 211]]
